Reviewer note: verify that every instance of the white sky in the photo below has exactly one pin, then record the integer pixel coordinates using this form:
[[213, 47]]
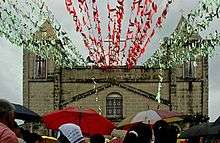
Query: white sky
[[11, 58]]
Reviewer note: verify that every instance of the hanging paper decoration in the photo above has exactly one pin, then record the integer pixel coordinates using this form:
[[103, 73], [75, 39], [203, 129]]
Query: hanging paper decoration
[[145, 32], [160, 76], [96, 54], [97, 97], [184, 44], [181, 47], [141, 29], [20, 26]]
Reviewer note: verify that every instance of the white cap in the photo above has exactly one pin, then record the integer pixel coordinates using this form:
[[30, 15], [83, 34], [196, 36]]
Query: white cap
[[72, 132]]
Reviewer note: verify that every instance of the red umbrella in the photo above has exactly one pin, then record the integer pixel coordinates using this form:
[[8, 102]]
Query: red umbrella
[[89, 120]]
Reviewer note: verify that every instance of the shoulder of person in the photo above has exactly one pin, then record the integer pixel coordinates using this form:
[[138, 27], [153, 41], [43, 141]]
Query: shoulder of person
[[8, 136]]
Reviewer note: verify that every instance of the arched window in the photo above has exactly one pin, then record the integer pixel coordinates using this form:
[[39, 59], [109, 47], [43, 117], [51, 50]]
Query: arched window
[[114, 106]]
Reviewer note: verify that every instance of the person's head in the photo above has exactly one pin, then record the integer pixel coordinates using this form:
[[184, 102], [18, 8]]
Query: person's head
[[70, 133], [164, 133], [7, 113], [35, 138], [172, 130], [139, 133], [97, 138], [26, 135], [160, 131], [116, 140]]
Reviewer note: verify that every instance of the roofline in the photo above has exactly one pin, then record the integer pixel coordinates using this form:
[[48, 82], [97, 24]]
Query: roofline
[[108, 85], [109, 68]]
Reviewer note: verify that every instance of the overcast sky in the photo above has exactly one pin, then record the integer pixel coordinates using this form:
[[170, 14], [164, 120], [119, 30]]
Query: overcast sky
[[11, 56]]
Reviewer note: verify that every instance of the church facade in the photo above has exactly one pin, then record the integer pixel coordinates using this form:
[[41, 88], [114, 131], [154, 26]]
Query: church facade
[[115, 93]]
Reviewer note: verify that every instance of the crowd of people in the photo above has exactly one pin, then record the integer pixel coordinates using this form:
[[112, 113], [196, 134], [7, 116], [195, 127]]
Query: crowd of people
[[10, 132], [139, 133]]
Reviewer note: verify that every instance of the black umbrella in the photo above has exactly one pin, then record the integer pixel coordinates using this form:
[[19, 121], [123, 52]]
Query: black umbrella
[[205, 129], [25, 114], [217, 122]]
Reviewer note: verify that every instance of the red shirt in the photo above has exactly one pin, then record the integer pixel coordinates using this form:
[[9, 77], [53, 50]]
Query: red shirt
[[7, 135]]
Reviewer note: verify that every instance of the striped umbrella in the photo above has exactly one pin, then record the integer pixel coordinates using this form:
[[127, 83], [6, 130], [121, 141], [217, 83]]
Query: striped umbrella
[[150, 117]]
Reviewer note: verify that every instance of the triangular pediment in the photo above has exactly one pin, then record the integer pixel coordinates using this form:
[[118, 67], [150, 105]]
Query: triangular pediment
[[183, 21], [46, 31], [124, 86]]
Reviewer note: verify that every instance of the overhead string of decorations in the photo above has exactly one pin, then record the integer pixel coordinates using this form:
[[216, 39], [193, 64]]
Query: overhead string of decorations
[[142, 26], [23, 27], [185, 43]]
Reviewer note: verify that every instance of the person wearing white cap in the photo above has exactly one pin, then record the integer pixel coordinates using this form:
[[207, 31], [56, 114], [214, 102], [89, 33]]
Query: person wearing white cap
[[70, 133]]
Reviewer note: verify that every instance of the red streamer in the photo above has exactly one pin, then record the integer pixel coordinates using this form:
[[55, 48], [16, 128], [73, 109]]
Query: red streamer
[[140, 31], [135, 51]]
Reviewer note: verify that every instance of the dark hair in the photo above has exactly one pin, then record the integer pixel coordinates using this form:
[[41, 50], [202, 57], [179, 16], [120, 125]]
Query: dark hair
[[97, 138], [31, 137], [63, 138], [193, 139], [26, 135], [172, 130], [164, 133], [139, 133], [35, 137], [160, 131], [5, 108]]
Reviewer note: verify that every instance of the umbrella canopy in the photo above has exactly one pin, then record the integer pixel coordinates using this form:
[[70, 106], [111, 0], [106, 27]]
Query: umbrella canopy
[[150, 117], [217, 122], [89, 120], [205, 129], [25, 114]]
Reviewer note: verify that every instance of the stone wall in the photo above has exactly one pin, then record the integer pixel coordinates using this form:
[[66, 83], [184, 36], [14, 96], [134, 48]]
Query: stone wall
[[81, 80], [132, 102], [41, 96]]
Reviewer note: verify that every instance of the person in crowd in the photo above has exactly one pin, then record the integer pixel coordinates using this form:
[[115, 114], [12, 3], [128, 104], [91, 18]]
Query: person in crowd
[[20, 140], [217, 140], [26, 134], [97, 138], [70, 133], [116, 140], [18, 132], [194, 140], [7, 122], [118, 133], [28, 137], [164, 133], [35, 138], [139, 133], [160, 131], [173, 131]]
